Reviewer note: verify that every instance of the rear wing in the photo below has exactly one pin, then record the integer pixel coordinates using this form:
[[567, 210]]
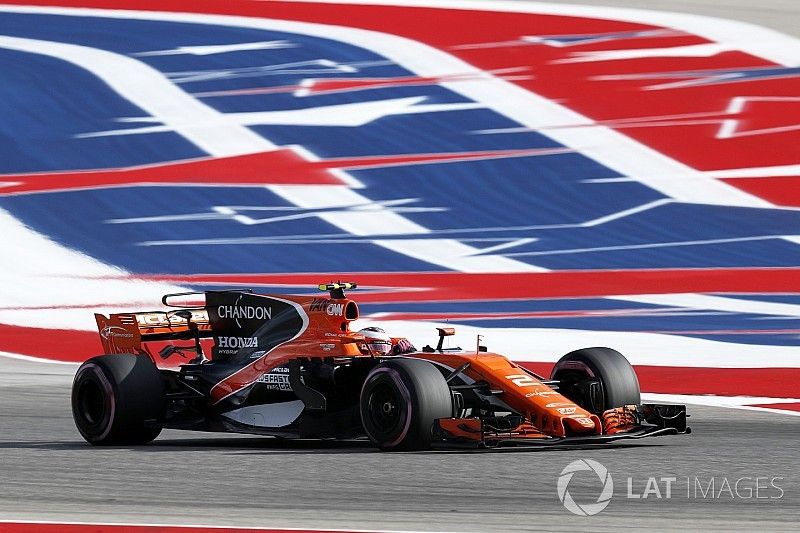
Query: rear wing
[[125, 332]]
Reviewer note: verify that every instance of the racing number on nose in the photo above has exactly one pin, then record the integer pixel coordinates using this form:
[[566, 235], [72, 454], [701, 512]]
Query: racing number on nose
[[522, 380]]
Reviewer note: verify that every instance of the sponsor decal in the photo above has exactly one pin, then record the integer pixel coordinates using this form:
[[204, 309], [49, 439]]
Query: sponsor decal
[[116, 332], [327, 347], [248, 311], [540, 392], [334, 309], [566, 410], [559, 404], [169, 319], [276, 379], [328, 306], [523, 380], [318, 304], [237, 342]]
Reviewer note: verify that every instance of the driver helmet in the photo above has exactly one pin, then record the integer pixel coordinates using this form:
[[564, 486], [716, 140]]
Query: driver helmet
[[377, 340]]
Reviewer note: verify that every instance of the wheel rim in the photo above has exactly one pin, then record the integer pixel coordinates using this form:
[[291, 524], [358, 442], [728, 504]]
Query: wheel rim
[[91, 403], [384, 408]]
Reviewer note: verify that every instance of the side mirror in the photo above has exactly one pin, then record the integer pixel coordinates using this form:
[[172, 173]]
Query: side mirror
[[444, 332]]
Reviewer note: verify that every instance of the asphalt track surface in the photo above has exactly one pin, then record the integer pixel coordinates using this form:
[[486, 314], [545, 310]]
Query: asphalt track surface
[[49, 473]]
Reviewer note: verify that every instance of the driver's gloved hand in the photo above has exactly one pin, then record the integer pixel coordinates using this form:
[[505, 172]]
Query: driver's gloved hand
[[403, 346]]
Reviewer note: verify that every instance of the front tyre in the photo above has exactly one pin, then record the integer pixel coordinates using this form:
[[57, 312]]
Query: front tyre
[[597, 379], [118, 400], [400, 400]]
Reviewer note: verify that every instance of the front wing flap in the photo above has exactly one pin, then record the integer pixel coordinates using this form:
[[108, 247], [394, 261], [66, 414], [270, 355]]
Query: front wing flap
[[629, 422]]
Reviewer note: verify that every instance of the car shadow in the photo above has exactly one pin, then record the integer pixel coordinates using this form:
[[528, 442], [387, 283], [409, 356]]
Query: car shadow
[[261, 445], [42, 445], [546, 448], [279, 446], [225, 444]]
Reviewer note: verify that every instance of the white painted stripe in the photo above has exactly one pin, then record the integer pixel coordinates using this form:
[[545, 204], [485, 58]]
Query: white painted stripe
[[776, 410], [650, 245], [625, 213], [719, 401], [694, 50], [746, 403], [725, 173], [756, 172], [205, 50], [717, 303], [35, 360]]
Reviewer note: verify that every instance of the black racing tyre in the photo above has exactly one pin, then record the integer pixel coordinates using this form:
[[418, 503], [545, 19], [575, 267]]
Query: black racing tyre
[[118, 400], [597, 379], [400, 400]]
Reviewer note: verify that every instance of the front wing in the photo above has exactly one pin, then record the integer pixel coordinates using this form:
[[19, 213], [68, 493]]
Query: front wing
[[645, 420]]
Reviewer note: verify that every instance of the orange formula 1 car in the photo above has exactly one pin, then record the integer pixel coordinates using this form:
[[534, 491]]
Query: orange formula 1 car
[[290, 366]]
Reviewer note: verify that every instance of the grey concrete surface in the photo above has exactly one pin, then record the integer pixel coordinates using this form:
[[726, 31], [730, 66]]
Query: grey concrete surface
[[49, 473], [781, 15]]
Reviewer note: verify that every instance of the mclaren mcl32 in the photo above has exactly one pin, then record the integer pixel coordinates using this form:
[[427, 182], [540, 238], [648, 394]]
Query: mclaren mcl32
[[291, 366]]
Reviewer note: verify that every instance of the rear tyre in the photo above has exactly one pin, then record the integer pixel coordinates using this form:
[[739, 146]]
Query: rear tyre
[[400, 400], [118, 400], [597, 379]]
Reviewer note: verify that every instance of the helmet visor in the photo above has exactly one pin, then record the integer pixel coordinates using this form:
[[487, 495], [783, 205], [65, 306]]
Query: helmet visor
[[379, 347]]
